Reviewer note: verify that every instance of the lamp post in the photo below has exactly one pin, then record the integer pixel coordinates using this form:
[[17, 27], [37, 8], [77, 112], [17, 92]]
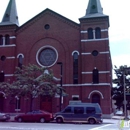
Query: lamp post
[[125, 111], [125, 73], [61, 69]]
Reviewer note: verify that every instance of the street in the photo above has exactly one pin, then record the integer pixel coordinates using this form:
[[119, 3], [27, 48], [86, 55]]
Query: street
[[108, 124]]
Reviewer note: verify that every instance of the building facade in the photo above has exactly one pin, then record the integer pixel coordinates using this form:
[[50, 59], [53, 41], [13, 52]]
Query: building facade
[[81, 49]]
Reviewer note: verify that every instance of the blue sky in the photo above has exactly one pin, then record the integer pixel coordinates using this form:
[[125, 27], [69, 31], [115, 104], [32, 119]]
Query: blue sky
[[118, 11]]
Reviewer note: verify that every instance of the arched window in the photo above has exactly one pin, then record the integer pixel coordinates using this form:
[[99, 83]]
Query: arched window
[[75, 68], [98, 33], [20, 61], [1, 40], [96, 98], [95, 76], [7, 39], [90, 33], [18, 104], [2, 76]]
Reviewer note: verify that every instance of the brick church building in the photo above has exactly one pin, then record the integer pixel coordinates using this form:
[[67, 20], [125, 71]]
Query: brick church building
[[81, 49]]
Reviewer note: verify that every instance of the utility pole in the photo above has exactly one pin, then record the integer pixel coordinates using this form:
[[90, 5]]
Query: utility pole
[[125, 111], [61, 69]]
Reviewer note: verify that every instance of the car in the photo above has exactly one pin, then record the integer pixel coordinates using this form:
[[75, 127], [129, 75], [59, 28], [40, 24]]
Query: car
[[80, 112], [4, 117], [119, 113], [35, 116]]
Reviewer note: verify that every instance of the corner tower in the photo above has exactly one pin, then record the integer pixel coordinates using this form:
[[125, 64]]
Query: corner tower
[[96, 57]]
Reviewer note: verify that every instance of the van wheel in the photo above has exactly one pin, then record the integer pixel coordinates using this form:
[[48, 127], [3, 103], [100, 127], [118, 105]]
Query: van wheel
[[91, 121], [59, 120]]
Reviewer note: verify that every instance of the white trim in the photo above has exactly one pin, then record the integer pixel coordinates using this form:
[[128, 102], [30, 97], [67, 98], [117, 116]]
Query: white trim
[[3, 94], [107, 52], [9, 75], [104, 72], [12, 45], [11, 57], [100, 72], [47, 46], [12, 37], [89, 53], [84, 31], [89, 40], [20, 54], [86, 72], [74, 52], [85, 84], [75, 96], [95, 91], [104, 30]]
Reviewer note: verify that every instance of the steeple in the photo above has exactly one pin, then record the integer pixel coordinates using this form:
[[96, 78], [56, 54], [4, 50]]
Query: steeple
[[94, 9], [10, 17]]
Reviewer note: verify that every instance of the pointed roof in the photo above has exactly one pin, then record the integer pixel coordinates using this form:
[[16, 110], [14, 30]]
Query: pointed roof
[[94, 9], [10, 17]]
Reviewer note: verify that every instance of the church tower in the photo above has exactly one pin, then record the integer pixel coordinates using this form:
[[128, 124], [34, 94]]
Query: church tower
[[95, 56], [8, 26]]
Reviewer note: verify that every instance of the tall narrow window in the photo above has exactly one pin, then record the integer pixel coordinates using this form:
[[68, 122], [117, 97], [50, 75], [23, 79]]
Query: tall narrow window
[[75, 68], [96, 98], [2, 76], [90, 33], [20, 61], [1, 40], [98, 33], [18, 104], [95, 76], [7, 40]]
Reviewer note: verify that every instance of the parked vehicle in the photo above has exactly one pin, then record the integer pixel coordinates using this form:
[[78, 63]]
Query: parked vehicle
[[4, 117], [35, 116], [80, 112]]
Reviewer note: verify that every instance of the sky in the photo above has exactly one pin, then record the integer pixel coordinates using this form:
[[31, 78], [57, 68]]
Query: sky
[[118, 11]]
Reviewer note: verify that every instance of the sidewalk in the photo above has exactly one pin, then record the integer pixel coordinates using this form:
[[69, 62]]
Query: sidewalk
[[110, 121]]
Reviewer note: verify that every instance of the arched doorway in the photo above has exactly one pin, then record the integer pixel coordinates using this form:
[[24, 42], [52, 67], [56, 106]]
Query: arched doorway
[[96, 98], [1, 102]]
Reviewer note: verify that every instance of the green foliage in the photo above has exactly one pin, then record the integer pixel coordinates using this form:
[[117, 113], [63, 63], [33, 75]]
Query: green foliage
[[122, 80], [5, 88], [33, 80]]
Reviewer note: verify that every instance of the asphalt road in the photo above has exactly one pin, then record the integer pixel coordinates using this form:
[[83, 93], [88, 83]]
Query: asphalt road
[[109, 124]]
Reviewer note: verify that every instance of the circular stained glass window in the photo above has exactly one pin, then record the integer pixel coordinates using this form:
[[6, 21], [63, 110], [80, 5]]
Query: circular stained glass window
[[47, 57]]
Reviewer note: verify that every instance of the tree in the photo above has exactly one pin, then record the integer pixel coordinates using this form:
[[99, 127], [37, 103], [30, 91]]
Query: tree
[[33, 81], [5, 88], [122, 80]]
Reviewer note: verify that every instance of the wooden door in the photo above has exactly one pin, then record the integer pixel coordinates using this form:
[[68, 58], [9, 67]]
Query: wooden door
[[46, 103]]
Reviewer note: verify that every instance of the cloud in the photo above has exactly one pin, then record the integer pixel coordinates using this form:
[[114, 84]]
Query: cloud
[[122, 59]]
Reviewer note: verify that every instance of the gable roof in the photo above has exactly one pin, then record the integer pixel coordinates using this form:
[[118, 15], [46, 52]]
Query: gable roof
[[10, 16], [50, 12]]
